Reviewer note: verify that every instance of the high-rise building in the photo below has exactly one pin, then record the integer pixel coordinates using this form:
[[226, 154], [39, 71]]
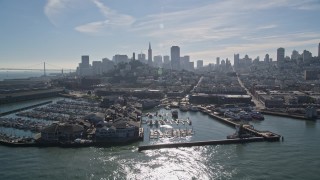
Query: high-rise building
[[280, 54], [306, 55], [267, 58], [184, 62], [175, 57], [166, 62], [85, 61], [295, 55], [158, 60], [142, 58], [218, 61], [84, 68], [236, 60], [107, 65], [118, 58], [199, 64], [150, 55], [166, 59], [133, 56], [97, 68], [319, 51]]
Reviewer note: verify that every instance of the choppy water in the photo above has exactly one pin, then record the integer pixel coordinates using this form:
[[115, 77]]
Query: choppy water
[[296, 158]]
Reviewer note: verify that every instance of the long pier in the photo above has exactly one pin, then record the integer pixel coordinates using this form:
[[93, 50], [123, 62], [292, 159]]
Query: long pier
[[267, 135], [24, 108], [201, 143]]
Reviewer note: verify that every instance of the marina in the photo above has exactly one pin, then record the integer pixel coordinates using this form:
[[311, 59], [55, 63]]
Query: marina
[[211, 128]]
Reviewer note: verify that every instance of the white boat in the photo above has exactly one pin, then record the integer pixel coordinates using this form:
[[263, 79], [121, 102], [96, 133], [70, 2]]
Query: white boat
[[194, 108]]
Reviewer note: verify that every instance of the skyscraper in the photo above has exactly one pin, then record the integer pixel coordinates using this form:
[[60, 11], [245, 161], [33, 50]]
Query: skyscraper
[[280, 54], [236, 59], [166, 59], [85, 61], [319, 51], [218, 61], [306, 55], [199, 64], [142, 58], [266, 58], [175, 57], [150, 55]]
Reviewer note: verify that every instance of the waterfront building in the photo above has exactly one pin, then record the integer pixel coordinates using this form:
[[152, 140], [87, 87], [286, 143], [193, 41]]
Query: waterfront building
[[175, 57], [150, 55], [199, 64], [119, 131], [57, 132]]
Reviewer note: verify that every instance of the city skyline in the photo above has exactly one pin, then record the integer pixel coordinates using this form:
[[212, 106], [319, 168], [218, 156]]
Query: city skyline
[[60, 31]]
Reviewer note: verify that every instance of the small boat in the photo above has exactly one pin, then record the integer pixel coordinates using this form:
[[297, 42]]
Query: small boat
[[232, 115], [194, 108], [245, 116], [183, 108], [257, 115], [189, 122], [174, 114]]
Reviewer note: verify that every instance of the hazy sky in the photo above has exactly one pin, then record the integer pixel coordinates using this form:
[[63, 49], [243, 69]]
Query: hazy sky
[[60, 31]]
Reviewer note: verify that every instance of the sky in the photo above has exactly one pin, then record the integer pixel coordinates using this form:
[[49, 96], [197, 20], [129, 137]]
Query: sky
[[58, 32]]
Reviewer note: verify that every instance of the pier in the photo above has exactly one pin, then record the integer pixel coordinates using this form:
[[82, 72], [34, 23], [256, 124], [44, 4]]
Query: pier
[[24, 108], [200, 143], [267, 135]]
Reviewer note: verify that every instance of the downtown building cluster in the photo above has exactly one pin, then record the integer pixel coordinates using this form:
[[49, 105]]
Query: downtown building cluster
[[175, 62]]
